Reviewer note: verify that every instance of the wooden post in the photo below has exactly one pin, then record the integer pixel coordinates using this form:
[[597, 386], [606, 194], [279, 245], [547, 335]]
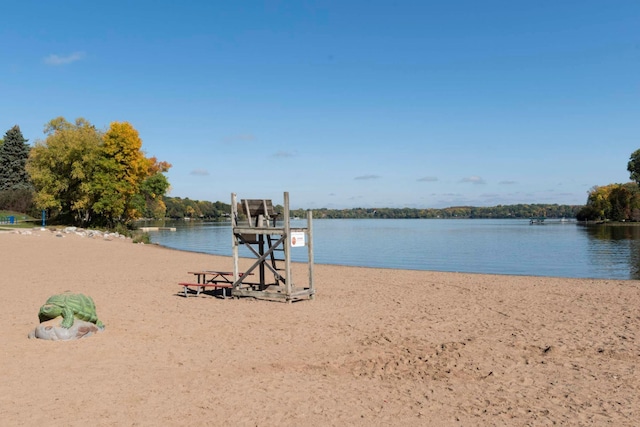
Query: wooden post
[[234, 239], [287, 246], [310, 251], [261, 252]]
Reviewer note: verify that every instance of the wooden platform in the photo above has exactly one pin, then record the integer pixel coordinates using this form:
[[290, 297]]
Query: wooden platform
[[270, 241]]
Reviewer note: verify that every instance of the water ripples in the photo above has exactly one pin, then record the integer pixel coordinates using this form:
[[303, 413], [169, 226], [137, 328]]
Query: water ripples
[[473, 246]]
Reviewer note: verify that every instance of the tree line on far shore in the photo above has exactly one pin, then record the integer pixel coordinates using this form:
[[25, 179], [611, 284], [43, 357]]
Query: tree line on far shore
[[84, 176], [456, 212], [615, 202], [178, 208]]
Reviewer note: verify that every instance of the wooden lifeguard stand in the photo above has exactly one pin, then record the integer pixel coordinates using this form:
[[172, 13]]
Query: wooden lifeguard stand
[[270, 241]]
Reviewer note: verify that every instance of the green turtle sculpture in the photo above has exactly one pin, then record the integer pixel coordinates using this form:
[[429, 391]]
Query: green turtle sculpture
[[70, 306]]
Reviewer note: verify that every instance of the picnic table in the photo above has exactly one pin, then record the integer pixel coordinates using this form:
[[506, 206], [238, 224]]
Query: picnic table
[[209, 279]]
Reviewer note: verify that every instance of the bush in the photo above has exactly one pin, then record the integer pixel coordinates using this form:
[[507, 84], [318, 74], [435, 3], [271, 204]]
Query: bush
[[122, 229], [140, 237], [19, 200]]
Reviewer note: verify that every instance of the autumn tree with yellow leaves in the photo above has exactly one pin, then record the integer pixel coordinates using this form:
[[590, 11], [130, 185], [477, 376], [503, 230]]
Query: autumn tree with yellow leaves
[[613, 202], [89, 177]]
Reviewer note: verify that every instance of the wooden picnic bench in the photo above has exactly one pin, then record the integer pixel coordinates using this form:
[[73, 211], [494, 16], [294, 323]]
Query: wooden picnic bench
[[199, 287], [217, 279]]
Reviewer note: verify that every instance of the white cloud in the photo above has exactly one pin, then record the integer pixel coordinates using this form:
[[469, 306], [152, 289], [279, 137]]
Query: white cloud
[[63, 60], [367, 177], [284, 154], [473, 180], [199, 172], [427, 179]]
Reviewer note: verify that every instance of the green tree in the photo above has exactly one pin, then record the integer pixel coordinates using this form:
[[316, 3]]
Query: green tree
[[634, 200], [620, 202], [174, 207], [588, 213], [14, 153], [614, 202], [598, 201], [150, 199], [96, 178], [62, 169], [634, 166]]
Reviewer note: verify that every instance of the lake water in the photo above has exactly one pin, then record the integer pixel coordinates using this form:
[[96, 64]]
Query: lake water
[[556, 248]]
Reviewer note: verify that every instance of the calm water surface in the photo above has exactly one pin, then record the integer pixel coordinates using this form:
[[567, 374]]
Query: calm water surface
[[562, 249]]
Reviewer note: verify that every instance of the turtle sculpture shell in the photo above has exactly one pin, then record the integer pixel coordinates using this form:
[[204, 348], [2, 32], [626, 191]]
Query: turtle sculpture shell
[[69, 306]]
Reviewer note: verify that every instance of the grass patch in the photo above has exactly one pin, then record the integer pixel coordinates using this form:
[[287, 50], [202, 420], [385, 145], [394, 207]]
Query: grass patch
[[20, 220]]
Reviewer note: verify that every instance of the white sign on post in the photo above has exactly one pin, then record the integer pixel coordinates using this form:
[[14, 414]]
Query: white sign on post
[[297, 239]]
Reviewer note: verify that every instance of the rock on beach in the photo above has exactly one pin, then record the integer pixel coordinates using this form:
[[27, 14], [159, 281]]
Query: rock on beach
[[51, 330]]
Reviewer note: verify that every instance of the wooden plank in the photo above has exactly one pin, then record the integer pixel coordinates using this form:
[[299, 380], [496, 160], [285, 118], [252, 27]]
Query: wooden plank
[[303, 293], [212, 272], [199, 287], [274, 231], [254, 207], [258, 294], [207, 285]]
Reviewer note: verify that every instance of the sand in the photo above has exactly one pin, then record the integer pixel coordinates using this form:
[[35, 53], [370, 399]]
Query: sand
[[375, 347]]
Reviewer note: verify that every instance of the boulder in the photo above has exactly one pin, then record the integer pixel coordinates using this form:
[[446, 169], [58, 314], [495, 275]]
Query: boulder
[[51, 330]]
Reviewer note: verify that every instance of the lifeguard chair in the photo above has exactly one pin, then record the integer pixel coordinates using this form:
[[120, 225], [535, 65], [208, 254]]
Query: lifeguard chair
[[269, 239]]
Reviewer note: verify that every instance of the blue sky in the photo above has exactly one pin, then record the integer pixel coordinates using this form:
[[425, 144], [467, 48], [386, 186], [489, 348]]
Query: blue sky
[[423, 104]]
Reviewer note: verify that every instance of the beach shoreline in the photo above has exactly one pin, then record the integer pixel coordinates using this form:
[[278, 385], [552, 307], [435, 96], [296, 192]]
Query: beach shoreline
[[375, 347]]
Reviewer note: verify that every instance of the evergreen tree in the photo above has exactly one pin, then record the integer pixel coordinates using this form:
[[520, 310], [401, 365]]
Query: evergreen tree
[[13, 157]]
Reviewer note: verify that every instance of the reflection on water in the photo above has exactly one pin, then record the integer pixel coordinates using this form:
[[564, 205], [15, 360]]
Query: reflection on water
[[613, 232], [614, 247], [559, 249]]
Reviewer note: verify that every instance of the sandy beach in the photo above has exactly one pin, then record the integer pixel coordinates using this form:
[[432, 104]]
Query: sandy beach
[[375, 347]]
